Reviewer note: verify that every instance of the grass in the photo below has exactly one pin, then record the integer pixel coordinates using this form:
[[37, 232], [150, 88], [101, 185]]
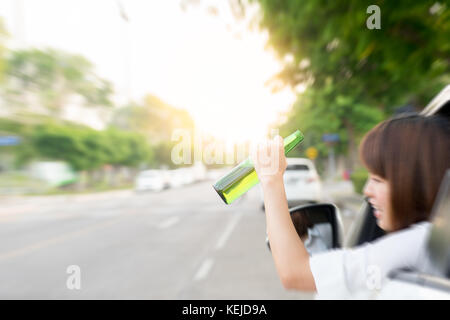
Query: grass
[[21, 184], [14, 182], [93, 189]]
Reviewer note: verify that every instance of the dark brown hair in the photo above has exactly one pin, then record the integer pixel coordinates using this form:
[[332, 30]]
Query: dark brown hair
[[412, 153], [301, 222]]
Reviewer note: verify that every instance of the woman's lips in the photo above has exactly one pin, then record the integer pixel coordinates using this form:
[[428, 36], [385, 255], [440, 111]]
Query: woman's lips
[[377, 214]]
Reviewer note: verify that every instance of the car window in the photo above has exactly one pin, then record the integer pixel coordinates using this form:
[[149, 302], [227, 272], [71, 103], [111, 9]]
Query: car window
[[301, 167]]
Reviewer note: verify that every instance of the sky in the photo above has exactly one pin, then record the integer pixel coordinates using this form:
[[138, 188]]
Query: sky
[[213, 65]]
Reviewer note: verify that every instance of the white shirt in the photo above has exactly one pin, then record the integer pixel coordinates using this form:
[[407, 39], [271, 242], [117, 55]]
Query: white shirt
[[359, 273]]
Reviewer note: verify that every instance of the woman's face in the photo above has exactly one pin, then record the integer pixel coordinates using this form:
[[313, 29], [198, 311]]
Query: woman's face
[[378, 192]]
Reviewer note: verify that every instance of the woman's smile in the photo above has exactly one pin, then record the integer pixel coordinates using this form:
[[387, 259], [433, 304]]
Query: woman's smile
[[377, 211], [377, 192]]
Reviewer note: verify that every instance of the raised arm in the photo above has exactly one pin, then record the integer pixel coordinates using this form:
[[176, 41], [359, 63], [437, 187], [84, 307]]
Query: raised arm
[[289, 253]]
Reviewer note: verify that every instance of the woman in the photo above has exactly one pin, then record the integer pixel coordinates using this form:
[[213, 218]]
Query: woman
[[406, 158]]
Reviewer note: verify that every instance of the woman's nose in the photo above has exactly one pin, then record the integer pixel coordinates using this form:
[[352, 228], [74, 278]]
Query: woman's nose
[[368, 192]]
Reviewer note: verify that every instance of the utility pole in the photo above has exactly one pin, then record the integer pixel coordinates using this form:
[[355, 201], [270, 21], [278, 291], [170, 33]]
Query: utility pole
[[331, 140], [126, 51], [19, 24]]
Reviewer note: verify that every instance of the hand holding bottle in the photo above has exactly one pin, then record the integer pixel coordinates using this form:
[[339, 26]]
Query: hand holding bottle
[[269, 160], [243, 177]]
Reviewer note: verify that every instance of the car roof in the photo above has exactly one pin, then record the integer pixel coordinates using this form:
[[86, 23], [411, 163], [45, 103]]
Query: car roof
[[440, 104]]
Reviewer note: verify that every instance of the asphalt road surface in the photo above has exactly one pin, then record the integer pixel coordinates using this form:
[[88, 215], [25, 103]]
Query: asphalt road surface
[[176, 244]]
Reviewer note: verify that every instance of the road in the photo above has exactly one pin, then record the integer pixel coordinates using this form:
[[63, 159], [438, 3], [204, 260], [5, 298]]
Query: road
[[176, 244]]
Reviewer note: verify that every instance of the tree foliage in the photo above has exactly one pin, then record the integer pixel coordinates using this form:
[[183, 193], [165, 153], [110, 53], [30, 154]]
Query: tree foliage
[[85, 149], [53, 77], [156, 121], [355, 76], [408, 55], [153, 118]]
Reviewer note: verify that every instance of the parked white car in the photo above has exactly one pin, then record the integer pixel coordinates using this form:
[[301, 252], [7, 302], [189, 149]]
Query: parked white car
[[54, 173], [302, 182], [175, 178], [153, 180], [187, 175]]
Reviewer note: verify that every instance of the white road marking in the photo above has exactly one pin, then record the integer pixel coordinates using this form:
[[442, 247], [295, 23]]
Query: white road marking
[[168, 223], [229, 229], [204, 269]]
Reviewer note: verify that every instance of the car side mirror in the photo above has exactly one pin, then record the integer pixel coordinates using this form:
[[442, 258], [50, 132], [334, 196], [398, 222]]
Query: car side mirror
[[318, 225]]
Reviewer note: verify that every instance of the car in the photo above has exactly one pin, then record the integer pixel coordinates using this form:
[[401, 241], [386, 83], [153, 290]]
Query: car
[[302, 182], [176, 178], [325, 232], [152, 180], [401, 284], [365, 229], [187, 175], [408, 284]]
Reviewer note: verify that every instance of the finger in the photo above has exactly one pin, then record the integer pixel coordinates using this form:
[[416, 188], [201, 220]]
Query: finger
[[275, 147], [279, 141], [263, 154]]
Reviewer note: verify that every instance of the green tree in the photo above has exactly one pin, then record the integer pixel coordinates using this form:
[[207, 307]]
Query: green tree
[[355, 76], [58, 142], [53, 77], [153, 118], [156, 121], [127, 148], [82, 147]]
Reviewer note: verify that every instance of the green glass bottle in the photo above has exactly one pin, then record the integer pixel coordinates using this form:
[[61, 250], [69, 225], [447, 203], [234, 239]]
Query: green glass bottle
[[243, 177]]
